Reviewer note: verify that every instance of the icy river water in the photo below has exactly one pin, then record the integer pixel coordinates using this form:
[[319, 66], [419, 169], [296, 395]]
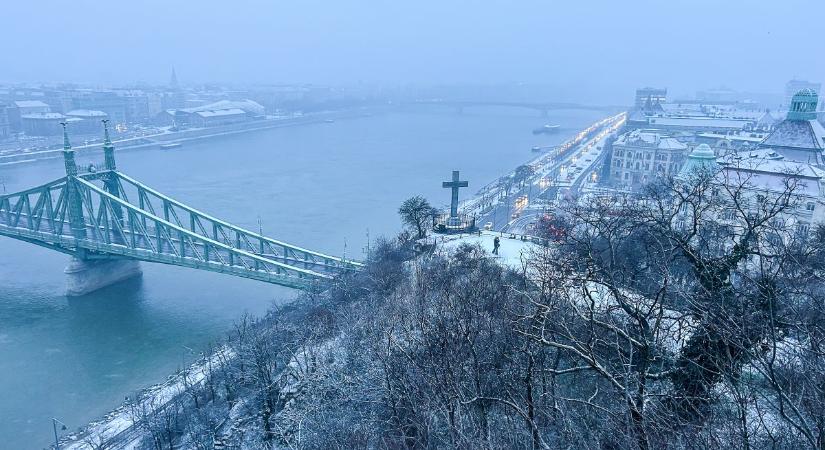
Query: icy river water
[[321, 186]]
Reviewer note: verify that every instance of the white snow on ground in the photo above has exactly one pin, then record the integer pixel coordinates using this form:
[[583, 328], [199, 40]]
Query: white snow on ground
[[513, 252], [120, 421], [673, 327]]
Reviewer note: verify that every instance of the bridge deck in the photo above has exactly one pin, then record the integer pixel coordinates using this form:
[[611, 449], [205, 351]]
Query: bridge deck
[[126, 219]]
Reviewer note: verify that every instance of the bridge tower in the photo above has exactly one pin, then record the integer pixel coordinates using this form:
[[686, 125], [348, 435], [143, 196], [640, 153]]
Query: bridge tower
[[108, 148], [75, 203], [110, 182], [86, 274]]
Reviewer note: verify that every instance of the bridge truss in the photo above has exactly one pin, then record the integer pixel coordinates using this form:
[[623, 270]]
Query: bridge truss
[[105, 214]]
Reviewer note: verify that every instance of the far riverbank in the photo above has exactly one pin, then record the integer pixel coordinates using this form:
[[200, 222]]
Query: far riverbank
[[178, 137]]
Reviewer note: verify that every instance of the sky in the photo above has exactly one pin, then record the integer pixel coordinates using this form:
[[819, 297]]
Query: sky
[[596, 47]]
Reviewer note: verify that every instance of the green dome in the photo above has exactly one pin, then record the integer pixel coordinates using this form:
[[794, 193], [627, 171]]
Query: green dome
[[702, 151], [701, 158], [803, 105]]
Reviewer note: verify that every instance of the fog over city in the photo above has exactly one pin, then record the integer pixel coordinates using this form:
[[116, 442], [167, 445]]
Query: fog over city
[[426, 224], [602, 49]]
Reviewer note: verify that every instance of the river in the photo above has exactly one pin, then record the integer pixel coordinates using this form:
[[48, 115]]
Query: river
[[322, 186]]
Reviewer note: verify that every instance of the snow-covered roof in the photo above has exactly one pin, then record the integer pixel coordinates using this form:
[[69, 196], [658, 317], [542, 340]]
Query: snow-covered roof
[[249, 106], [221, 112], [766, 169], [670, 143], [650, 138], [637, 116], [43, 116], [30, 104], [767, 119], [702, 151], [699, 122], [742, 137], [86, 113], [807, 134]]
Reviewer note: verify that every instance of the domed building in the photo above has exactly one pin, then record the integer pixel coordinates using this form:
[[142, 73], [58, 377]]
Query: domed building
[[701, 158], [789, 161], [800, 137]]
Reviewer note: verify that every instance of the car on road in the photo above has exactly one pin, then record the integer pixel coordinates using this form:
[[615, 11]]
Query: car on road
[[488, 226], [516, 215]]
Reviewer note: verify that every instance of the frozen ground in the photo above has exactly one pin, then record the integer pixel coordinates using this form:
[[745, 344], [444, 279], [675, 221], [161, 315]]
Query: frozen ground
[[118, 428], [513, 252]]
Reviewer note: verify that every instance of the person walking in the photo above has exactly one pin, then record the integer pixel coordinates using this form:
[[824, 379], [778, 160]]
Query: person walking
[[496, 245]]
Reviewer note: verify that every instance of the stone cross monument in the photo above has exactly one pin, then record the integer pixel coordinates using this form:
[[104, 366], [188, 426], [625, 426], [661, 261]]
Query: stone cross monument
[[455, 184]]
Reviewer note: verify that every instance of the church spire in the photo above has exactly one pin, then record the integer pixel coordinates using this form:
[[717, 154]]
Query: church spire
[[173, 81]]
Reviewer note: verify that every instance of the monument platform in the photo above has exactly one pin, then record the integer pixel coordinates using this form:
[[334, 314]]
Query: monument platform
[[448, 224]]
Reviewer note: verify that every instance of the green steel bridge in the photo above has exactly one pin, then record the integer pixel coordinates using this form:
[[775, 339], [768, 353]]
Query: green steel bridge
[[103, 214]]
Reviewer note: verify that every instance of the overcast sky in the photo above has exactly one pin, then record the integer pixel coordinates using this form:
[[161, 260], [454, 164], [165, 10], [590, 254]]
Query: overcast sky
[[596, 46]]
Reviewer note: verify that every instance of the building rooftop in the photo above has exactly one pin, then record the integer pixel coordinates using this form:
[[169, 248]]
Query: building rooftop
[[89, 113], [752, 137], [244, 105], [650, 138], [700, 122], [701, 157], [805, 134], [221, 112], [43, 116], [767, 119], [800, 137], [702, 151], [30, 104], [767, 160], [765, 169]]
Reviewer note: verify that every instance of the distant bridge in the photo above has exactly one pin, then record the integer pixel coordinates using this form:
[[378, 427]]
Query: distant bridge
[[542, 107], [102, 214]]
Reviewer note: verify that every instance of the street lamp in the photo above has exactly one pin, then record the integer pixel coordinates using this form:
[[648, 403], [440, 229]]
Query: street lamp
[[54, 428]]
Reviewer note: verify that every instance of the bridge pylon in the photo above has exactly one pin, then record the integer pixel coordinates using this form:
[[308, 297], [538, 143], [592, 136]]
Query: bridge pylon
[[84, 274], [75, 202]]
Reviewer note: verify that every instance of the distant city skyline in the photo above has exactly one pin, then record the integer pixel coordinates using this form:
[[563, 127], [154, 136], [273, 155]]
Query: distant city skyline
[[591, 49]]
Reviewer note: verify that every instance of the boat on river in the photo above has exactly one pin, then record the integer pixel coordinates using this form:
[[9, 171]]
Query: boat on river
[[547, 129]]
